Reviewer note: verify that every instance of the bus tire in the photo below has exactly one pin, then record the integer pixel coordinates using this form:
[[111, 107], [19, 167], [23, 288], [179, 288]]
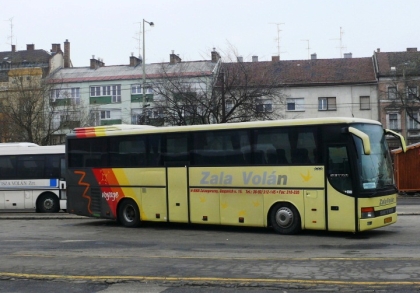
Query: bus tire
[[48, 203], [129, 214], [285, 219]]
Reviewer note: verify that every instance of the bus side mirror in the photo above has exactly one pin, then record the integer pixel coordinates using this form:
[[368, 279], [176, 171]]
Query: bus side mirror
[[363, 136], [399, 136]]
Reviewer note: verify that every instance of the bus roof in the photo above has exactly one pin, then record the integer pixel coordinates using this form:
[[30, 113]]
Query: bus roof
[[33, 150], [127, 129], [18, 144]]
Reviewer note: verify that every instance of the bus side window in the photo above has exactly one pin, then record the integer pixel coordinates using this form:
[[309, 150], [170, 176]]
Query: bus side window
[[176, 148], [8, 167]]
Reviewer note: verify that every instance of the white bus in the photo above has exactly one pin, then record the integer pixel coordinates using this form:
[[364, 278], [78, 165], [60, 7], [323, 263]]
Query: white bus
[[32, 177]]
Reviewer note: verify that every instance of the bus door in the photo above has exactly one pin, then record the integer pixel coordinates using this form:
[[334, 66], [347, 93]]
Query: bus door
[[177, 190], [176, 161], [341, 203]]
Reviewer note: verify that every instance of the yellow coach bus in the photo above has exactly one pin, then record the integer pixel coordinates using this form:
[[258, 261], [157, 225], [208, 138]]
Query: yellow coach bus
[[330, 174]]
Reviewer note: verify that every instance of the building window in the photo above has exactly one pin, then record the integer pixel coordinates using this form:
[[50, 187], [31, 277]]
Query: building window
[[327, 104], [136, 89], [107, 90], [264, 105], [364, 103], [229, 105], [105, 115], [412, 121], [116, 93], [412, 92], [393, 121], [295, 104], [95, 91], [392, 92], [72, 94]]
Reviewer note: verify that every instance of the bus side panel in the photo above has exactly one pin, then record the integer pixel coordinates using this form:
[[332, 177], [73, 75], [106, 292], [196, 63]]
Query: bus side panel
[[178, 194], [385, 211], [315, 209], [28, 199], [83, 193], [341, 211], [205, 205], [14, 199], [153, 204], [239, 208]]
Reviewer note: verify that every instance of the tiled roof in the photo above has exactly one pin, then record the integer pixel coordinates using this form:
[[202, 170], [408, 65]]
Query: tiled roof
[[126, 72], [407, 61], [29, 56], [316, 72]]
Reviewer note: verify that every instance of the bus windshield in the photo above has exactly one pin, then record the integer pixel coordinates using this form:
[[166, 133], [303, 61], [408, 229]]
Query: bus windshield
[[376, 168]]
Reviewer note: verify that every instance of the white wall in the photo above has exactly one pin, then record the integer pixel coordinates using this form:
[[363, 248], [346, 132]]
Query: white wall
[[347, 101]]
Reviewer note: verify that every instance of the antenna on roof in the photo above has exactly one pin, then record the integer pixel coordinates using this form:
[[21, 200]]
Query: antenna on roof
[[341, 42], [11, 30], [138, 38], [278, 37], [307, 48]]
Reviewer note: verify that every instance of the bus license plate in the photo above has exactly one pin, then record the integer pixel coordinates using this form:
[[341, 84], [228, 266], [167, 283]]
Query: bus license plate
[[388, 220]]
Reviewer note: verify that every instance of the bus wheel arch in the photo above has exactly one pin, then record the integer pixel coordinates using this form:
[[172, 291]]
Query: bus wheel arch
[[285, 218], [47, 202], [128, 213]]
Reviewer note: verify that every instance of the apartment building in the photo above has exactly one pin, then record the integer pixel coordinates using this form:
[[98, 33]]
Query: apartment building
[[398, 75], [103, 95]]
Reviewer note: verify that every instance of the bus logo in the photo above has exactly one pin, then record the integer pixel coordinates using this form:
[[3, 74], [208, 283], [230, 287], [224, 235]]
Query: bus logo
[[247, 178], [110, 196]]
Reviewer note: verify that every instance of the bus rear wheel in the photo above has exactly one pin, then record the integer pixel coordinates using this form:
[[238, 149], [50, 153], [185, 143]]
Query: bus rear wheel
[[129, 214], [285, 219], [48, 203]]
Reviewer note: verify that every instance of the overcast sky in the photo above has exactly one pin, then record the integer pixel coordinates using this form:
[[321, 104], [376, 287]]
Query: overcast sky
[[110, 29]]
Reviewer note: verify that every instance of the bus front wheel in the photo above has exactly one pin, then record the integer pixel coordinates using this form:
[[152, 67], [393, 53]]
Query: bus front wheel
[[48, 203], [285, 219], [129, 214]]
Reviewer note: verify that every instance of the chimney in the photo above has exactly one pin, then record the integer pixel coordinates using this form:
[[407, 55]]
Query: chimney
[[240, 59], [96, 63], [275, 58], [67, 54], [174, 58], [411, 49], [254, 58], [214, 55], [13, 48], [378, 50], [313, 56], [134, 61], [56, 48], [30, 47], [348, 55]]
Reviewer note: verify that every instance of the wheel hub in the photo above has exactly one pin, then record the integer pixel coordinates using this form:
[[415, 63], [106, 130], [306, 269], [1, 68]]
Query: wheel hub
[[284, 217]]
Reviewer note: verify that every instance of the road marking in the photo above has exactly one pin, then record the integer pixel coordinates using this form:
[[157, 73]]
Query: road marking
[[61, 255], [117, 279]]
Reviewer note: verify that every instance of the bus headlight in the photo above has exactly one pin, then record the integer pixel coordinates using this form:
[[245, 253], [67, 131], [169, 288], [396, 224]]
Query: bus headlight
[[368, 213]]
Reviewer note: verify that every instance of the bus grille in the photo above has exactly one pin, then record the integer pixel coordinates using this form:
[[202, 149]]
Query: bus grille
[[96, 200]]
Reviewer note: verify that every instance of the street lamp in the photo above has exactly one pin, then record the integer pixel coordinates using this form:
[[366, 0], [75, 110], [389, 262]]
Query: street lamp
[[144, 68]]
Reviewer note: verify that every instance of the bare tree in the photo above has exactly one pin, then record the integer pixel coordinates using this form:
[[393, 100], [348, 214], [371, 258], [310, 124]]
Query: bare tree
[[29, 111], [407, 90], [194, 93]]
